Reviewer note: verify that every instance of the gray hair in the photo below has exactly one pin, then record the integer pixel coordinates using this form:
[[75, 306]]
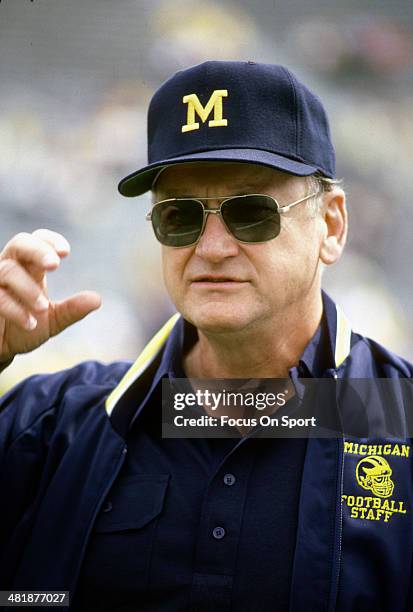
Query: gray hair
[[318, 183]]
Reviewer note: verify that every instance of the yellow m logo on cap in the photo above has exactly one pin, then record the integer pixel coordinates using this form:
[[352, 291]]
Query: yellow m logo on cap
[[194, 106]]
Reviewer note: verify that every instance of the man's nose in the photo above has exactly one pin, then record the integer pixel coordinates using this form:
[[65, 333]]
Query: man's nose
[[216, 242]]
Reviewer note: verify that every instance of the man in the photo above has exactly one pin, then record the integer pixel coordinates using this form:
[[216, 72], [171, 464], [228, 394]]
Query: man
[[95, 501]]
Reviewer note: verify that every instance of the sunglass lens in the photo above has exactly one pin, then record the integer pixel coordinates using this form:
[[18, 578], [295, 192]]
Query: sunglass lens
[[253, 218], [177, 223]]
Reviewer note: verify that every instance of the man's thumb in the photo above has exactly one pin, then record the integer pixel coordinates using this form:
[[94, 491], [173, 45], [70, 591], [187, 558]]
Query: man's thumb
[[73, 309]]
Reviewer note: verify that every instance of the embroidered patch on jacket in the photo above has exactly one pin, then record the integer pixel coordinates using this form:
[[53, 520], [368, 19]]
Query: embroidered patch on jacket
[[374, 473]]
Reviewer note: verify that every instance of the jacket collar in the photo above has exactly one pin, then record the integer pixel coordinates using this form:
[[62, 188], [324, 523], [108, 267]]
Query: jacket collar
[[339, 330], [154, 362]]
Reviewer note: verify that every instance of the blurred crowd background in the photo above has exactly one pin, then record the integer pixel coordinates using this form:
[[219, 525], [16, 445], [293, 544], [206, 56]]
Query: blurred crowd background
[[76, 78]]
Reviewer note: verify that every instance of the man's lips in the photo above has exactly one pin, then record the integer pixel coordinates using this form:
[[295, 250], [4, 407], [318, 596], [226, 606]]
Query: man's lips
[[216, 281]]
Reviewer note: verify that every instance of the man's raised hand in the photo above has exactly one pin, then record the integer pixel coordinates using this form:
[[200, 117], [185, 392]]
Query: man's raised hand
[[27, 317]]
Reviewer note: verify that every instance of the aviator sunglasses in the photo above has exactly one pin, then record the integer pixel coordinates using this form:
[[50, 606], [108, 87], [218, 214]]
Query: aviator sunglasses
[[252, 218]]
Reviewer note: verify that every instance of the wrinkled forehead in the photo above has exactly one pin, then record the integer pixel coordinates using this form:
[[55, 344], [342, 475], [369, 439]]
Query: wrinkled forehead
[[221, 178]]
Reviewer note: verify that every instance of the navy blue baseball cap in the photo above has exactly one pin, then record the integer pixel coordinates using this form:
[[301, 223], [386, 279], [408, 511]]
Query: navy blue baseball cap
[[248, 112]]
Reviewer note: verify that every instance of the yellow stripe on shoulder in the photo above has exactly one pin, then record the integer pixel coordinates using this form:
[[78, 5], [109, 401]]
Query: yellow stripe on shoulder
[[343, 337], [145, 358]]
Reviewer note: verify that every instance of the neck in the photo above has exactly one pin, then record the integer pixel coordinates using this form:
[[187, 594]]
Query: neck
[[266, 350]]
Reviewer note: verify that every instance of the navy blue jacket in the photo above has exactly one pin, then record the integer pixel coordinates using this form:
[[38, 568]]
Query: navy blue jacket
[[62, 445]]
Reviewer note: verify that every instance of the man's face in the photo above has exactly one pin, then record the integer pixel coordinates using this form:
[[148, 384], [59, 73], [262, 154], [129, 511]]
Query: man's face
[[221, 285]]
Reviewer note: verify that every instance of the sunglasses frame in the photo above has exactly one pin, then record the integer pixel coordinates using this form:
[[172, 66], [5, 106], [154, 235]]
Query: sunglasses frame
[[217, 211]]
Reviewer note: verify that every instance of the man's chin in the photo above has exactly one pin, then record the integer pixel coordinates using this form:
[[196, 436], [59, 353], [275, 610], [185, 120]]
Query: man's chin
[[219, 319]]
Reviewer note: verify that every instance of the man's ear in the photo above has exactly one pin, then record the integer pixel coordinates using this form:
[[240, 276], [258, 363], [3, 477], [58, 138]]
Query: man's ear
[[334, 213]]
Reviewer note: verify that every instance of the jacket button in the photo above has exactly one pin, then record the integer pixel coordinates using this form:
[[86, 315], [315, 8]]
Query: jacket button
[[218, 533], [107, 507], [229, 479]]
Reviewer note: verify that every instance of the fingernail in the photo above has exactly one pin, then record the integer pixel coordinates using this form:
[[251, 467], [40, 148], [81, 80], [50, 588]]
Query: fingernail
[[41, 303], [50, 260], [31, 323]]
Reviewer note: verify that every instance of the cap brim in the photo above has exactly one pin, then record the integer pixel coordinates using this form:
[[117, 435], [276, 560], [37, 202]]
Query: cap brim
[[141, 181]]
